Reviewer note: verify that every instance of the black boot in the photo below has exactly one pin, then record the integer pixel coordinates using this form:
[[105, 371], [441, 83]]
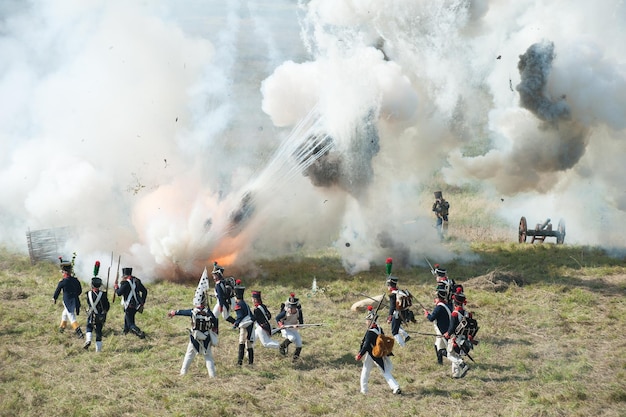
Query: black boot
[[79, 333], [137, 332], [242, 349], [250, 356], [440, 354], [296, 354], [283, 346]]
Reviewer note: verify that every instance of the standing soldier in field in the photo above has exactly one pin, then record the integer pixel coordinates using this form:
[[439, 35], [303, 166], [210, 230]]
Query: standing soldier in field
[[262, 326], [288, 320], [244, 322], [134, 295], [224, 293], [398, 314], [203, 334], [72, 289], [98, 307], [441, 208], [369, 361], [440, 316], [459, 367]]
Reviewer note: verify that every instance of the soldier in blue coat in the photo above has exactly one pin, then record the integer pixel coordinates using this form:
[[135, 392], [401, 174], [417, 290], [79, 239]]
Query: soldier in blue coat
[[134, 295], [440, 316], [72, 289], [369, 361]]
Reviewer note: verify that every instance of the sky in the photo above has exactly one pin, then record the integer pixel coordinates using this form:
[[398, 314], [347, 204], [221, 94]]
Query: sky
[[178, 133]]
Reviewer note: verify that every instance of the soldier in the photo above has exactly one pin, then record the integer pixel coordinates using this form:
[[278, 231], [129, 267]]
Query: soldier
[[441, 208], [98, 303], [223, 293], [134, 295], [440, 316], [204, 328], [459, 367], [244, 322], [445, 283], [288, 320], [397, 313], [263, 327], [365, 353], [72, 289]]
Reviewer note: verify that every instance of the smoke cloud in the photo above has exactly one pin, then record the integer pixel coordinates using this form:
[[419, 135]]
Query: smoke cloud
[[178, 133]]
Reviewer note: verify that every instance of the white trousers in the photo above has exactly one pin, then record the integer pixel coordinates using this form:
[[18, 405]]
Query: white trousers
[[293, 335], [265, 339], [441, 341], [368, 364], [454, 357], [191, 354], [401, 336], [68, 316], [225, 312]]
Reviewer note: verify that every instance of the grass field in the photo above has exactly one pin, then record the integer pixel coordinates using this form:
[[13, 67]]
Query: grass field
[[552, 344]]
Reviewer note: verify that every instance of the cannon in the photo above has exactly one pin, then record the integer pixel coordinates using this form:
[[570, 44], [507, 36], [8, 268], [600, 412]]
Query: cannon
[[541, 231]]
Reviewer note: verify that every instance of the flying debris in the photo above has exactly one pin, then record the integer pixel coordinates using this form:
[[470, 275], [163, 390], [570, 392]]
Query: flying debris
[[239, 216], [499, 56]]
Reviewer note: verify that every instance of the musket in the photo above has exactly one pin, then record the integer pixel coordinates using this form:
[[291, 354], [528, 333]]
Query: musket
[[432, 270], [295, 326], [109, 273], [373, 299], [117, 276], [424, 334]]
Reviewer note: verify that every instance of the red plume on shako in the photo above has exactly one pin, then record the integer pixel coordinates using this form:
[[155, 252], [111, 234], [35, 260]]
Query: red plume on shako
[[96, 268]]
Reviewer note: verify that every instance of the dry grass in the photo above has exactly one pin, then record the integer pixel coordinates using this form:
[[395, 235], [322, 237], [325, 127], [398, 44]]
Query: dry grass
[[551, 345]]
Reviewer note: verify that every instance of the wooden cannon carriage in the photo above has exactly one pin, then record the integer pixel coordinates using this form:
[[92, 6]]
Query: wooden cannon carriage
[[541, 231]]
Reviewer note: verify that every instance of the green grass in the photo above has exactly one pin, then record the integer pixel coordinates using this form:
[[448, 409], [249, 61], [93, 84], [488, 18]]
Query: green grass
[[551, 317]]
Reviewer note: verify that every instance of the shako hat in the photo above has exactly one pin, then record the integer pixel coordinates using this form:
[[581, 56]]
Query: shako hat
[[127, 272], [438, 194], [371, 314], [96, 282], [65, 265], [239, 290], [256, 294], [459, 297], [392, 281]]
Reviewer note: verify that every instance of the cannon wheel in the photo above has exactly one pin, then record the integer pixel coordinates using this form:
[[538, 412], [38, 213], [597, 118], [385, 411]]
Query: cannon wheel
[[561, 236], [523, 228]]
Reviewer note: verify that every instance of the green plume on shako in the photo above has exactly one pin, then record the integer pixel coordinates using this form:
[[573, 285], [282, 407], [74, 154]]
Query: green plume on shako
[[389, 265], [96, 268]]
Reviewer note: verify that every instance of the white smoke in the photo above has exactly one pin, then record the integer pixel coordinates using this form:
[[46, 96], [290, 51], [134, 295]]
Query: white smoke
[[150, 128]]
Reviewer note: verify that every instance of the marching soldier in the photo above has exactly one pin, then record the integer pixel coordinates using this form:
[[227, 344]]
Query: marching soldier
[[244, 322], [440, 316], [397, 314], [134, 295], [72, 289], [99, 305], [441, 208], [223, 293], [369, 361], [459, 367], [263, 327], [288, 320]]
